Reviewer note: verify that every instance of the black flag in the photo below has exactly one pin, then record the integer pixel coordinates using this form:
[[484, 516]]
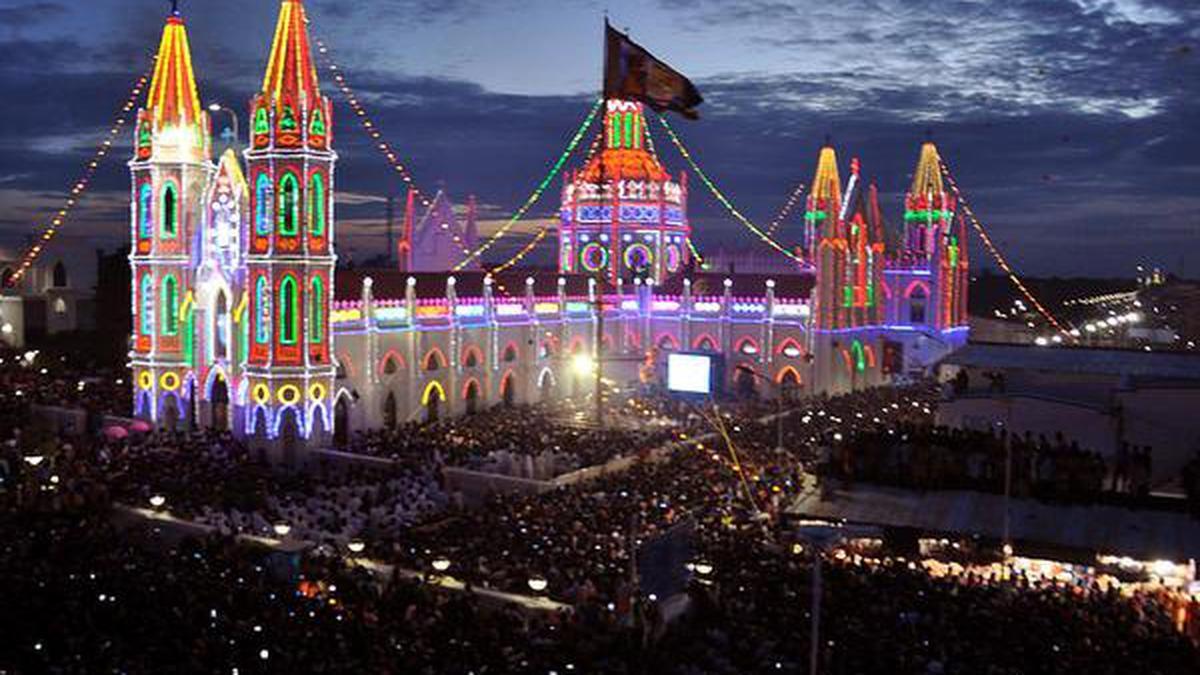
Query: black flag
[[632, 73]]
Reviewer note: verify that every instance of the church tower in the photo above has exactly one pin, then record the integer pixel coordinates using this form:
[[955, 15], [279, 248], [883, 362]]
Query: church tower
[[826, 242], [289, 257], [623, 215], [935, 242], [171, 170]]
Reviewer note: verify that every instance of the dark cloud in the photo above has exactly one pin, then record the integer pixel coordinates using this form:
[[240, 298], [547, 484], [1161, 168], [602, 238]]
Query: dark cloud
[[1071, 124]]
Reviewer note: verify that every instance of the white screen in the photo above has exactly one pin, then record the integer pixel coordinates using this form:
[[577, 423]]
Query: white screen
[[691, 373]]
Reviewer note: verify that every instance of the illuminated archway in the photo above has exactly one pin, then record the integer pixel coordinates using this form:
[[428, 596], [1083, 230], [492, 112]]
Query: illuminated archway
[[705, 343], [434, 360]]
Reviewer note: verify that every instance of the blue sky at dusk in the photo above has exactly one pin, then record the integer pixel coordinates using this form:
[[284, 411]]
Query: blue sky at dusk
[[1072, 125]]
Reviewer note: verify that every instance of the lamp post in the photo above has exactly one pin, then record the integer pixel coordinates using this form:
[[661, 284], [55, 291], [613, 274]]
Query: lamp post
[[217, 107]]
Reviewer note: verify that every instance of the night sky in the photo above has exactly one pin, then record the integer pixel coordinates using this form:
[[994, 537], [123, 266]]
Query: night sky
[[1072, 125]]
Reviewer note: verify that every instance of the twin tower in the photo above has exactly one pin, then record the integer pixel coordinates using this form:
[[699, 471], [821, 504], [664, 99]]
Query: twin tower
[[232, 268]]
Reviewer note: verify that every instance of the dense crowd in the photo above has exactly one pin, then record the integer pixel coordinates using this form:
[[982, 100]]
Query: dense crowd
[[87, 598], [541, 441]]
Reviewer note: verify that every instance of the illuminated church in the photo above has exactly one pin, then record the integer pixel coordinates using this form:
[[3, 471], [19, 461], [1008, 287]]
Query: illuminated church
[[242, 321]]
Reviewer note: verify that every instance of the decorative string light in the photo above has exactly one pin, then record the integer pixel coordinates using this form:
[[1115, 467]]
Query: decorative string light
[[792, 200], [372, 130], [539, 190], [545, 229], [525, 250], [997, 255], [687, 240], [80, 187], [687, 156]]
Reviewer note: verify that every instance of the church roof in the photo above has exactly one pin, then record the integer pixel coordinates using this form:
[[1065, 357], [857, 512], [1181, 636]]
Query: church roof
[[827, 184], [927, 179], [627, 154], [173, 98], [290, 70]]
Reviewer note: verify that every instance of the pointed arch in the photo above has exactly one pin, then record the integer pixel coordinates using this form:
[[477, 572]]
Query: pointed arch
[[289, 204], [870, 354], [510, 352], [289, 310], [391, 363], [471, 382], [746, 345], [214, 374], [145, 211], [262, 303], [147, 306], [434, 360], [507, 382], [786, 373], [434, 388], [170, 211], [472, 357], [316, 311], [667, 342], [262, 202], [782, 348], [705, 342], [316, 205], [170, 305]]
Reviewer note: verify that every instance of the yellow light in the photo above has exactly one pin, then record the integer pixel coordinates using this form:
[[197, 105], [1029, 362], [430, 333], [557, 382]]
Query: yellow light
[[289, 394], [262, 394], [317, 391], [583, 364], [145, 380], [169, 381]]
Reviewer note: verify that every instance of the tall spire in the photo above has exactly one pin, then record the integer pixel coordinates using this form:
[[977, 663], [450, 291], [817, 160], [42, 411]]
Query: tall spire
[[927, 179], [173, 100], [627, 154], [291, 73], [827, 184]]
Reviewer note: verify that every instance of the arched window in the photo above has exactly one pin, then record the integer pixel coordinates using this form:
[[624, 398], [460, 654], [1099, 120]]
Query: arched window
[[262, 300], [287, 121], [916, 305], [262, 205], [147, 319], [510, 354], [470, 360], [289, 204], [170, 212], [390, 365], [170, 305], [316, 206], [146, 211], [289, 311], [316, 312], [261, 125], [60, 275]]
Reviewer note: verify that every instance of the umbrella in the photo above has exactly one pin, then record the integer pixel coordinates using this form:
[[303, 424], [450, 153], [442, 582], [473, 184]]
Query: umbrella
[[115, 433]]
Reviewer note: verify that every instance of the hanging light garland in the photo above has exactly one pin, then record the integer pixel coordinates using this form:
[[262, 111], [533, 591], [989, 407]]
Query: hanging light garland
[[80, 187], [369, 125], [545, 229], [687, 156], [687, 240], [372, 129], [539, 190], [792, 200], [997, 255]]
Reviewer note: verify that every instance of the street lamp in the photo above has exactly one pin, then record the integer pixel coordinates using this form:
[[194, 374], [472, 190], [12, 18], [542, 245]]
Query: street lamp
[[282, 529], [356, 546], [217, 107], [537, 584], [157, 501]]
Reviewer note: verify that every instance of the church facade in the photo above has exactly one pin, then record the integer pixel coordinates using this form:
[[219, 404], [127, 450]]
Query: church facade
[[242, 323]]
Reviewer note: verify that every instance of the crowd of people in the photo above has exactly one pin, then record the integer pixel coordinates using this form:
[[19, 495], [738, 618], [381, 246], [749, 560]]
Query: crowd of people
[[532, 441], [89, 597]]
